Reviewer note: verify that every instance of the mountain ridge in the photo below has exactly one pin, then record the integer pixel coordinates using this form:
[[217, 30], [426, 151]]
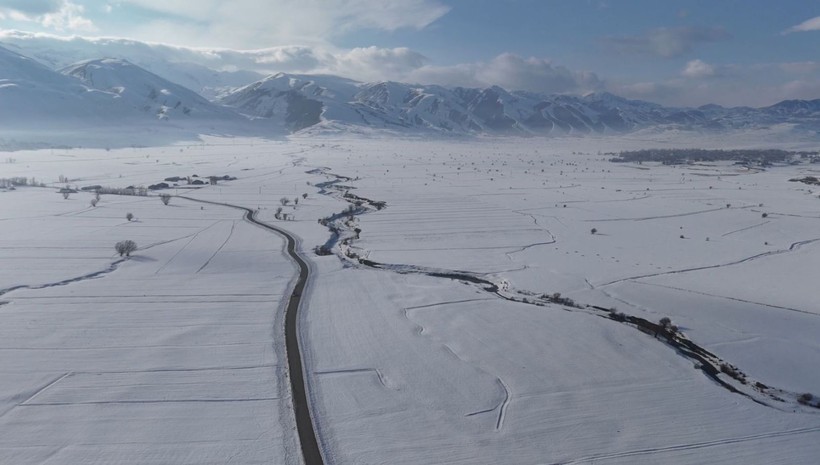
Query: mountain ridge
[[114, 90], [293, 100]]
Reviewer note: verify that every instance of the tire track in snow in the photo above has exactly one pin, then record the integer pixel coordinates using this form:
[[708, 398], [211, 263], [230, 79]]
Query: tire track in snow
[[502, 406], [219, 249], [34, 394], [647, 218], [353, 371], [157, 244], [502, 410], [438, 304], [193, 237], [691, 446], [552, 240], [791, 248], [745, 229], [779, 307]]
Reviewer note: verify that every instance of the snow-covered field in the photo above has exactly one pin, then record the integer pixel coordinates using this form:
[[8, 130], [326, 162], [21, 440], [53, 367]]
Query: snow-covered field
[[176, 354]]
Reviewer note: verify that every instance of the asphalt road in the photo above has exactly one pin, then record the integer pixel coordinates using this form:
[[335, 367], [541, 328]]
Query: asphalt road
[[311, 452]]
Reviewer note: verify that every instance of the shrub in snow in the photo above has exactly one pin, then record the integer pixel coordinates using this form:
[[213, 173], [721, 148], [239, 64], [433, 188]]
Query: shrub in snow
[[166, 198], [125, 247], [129, 216], [558, 299], [322, 250], [730, 370]]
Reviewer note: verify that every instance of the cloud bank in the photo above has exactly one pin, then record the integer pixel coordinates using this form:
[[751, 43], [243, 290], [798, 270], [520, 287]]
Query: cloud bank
[[58, 15], [363, 63], [808, 25], [695, 82], [249, 23], [666, 42], [698, 69]]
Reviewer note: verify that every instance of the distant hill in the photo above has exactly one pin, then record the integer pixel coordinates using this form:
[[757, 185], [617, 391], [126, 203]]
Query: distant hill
[[301, 101]]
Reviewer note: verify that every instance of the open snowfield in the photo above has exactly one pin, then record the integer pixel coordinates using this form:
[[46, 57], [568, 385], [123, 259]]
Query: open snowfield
[[176, 355]]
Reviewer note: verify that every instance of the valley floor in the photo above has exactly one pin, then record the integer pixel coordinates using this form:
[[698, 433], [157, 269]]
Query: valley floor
[[176, 355]]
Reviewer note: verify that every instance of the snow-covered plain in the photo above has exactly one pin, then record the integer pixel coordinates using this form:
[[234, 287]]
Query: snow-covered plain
[[176, 355]]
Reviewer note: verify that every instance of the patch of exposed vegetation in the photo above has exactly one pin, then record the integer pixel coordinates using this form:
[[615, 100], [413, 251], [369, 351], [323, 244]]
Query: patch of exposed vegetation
[[758, 157], [810, 180]]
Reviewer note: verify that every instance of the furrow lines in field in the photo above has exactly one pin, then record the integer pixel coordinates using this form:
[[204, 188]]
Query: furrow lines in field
[[691, 446]]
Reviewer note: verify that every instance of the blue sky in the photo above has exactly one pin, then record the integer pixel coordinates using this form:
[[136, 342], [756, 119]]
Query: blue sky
[[680, 52]]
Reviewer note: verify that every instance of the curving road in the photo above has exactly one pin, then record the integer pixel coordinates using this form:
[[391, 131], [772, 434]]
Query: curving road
[[311, 452]]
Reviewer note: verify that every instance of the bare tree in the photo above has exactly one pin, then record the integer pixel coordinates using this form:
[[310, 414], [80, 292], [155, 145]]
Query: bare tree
[[284, 201], [166, 198], [125, 247]]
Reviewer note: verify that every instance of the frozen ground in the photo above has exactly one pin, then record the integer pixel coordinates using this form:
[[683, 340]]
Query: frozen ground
[[160, 359], [175, 356]]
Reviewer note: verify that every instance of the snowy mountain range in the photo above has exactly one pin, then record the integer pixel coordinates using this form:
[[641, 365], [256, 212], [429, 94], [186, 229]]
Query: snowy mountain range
[[143, 91], [115, 91], [30, 92], [300, 101]]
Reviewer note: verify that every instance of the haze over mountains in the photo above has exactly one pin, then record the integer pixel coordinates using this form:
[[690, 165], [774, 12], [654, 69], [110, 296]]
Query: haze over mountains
[[108, 91]]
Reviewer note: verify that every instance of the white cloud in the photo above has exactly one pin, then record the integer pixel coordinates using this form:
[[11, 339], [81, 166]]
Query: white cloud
[[365, 63], [666, 42], [732, 85], [251, 23], [799, 67], [801, 89], [757, 85], [31, 7], [812, 24], [511, 72], [59, 15], [698, 69], [374, 63], [68, 17], [666, 92], [288, 57]]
